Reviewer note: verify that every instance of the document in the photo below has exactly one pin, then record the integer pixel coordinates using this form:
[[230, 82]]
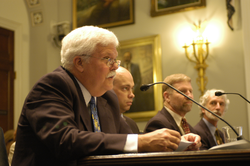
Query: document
[[183, 145]]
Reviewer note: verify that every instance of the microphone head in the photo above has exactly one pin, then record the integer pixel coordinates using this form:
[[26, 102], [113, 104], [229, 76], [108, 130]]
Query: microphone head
[[218, 93], [144, 87]]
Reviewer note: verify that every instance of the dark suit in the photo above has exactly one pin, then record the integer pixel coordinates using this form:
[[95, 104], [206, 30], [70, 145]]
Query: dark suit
[[55, 127], [3, 152], [163, 119], [205, 134], [132, 124]]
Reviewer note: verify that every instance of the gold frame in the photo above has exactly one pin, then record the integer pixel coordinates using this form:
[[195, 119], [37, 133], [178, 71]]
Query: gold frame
[[104, 25], [139, 44], [174, 9]]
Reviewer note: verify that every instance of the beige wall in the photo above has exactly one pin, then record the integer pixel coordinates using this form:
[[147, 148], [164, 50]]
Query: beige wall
[[14, 17], [226, 61], [38, 56]]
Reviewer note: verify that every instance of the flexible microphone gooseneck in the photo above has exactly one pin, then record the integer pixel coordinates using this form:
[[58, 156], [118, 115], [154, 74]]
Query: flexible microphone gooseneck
[[218, 93], [147, 86]]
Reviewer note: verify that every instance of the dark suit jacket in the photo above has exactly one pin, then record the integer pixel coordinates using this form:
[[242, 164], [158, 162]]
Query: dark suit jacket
[[3, 152], [55, 127], [205, 134], [132, 124], [163, 119]]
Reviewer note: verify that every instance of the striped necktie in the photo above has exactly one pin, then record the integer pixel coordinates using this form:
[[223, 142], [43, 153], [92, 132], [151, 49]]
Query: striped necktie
[[185, 126], [94, 115], [218, 137]]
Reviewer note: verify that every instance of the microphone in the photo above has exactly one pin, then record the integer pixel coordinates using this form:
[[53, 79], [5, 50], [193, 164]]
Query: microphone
[[218, 93], [147, 86]]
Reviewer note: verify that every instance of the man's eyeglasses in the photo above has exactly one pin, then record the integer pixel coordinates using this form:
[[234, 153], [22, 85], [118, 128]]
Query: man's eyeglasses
[[110, 62]]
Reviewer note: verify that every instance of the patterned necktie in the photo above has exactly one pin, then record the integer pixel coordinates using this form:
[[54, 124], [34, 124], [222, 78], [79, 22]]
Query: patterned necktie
[[218, 137], [185, 126], [94, 115]]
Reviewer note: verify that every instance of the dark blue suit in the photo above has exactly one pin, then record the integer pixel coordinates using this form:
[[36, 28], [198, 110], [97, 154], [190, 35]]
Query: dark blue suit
[[205, 134]]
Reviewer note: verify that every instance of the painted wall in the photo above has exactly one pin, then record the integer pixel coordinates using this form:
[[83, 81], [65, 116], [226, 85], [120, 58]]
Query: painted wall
[[226, 61], [18, 22]]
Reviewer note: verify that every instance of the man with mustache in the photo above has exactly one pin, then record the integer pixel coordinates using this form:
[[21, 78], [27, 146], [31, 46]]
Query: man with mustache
[[123, 87], [207, 126], [172, 115], [73, 112]]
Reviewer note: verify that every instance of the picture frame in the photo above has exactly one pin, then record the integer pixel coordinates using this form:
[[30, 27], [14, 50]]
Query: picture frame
[[163, 7], [97, 13], [146, 53]]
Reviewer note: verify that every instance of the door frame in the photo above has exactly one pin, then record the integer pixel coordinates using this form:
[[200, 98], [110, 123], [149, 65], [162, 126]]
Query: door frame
[[21, 66]]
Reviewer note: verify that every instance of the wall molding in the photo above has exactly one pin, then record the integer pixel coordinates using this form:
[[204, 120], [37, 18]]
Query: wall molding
[[246, 50]]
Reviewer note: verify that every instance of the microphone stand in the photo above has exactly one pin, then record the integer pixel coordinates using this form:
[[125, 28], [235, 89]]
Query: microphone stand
[[147, 86], [218, 93]]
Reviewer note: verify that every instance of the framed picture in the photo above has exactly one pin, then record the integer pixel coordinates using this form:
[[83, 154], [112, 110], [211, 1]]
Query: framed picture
[[101, 13], [162, 7], [142, 57]]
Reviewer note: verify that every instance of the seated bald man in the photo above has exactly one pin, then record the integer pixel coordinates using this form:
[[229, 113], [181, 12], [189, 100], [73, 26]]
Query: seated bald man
[[123, 87]]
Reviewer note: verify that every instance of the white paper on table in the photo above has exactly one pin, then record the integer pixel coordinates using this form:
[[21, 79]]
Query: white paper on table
[[183, 145]]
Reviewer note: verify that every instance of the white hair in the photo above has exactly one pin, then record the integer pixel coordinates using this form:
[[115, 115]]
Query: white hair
[[210, 93], [83, 41]]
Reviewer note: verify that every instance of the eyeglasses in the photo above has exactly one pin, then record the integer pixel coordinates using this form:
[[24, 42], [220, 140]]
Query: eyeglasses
[[110, 61]]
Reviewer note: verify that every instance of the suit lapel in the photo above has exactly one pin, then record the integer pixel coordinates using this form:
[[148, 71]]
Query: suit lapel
[[208, 133], [105, 112], [83, 109], [171, 120]]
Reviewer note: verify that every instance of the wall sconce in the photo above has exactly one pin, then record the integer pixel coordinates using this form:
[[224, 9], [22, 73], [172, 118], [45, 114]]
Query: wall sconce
[[59, 30], [200, 53]]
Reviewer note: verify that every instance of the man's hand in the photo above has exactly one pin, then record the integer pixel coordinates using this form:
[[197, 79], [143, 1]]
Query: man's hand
[[162, 140], [192, 138]]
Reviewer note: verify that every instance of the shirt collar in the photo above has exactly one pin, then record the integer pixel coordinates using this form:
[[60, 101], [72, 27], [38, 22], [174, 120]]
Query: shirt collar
[[177, 118], [211, 127], [85, 92]]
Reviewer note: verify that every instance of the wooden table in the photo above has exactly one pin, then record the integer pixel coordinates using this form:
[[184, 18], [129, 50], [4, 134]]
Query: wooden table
[[215, 157]]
